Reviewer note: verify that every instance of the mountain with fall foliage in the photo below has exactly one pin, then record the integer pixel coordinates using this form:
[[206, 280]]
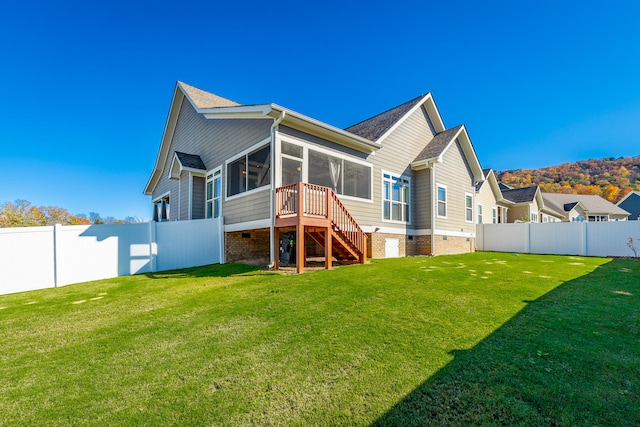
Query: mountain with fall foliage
[[610, 177]]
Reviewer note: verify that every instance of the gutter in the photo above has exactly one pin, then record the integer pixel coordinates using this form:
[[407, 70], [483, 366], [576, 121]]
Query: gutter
[[272, 199]]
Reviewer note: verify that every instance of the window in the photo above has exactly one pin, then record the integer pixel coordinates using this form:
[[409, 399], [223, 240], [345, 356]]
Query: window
[[479, 214], [161, 208], [468, 207], [442, 201], [395, 198], [343, 176], [494, 215], [214, 194], [249, 172], [534, 217], [291, 163]]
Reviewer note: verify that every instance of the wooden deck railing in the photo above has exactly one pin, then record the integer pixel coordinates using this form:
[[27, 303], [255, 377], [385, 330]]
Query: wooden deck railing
[[322, 203]]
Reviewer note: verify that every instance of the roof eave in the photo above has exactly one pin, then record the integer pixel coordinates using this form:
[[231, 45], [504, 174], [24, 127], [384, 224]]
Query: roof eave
[[163, 151], [323, 130]]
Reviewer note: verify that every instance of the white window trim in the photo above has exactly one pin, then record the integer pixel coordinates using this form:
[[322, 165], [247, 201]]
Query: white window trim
[[305, 162], [446, 197], [479, 212], [206, 181], [382, 180], [494, 215], [255, 147], [470, 221]]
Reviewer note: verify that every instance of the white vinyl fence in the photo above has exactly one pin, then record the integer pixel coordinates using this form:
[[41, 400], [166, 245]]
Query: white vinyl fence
[[46, 257], [561, 238]]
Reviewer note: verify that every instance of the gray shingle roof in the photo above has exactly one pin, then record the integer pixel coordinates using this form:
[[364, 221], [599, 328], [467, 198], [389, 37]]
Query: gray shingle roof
[[485, 172], [436, 146], [520, 195], [203, 99], [591, 203], [191, 161], [503, 186], [376, 126]]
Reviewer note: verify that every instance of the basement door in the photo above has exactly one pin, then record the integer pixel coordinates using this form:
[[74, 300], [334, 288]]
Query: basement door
[[391, 248]]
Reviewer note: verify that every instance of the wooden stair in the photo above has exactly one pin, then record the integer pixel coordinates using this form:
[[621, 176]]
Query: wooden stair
[[317, 211], [342, 249]]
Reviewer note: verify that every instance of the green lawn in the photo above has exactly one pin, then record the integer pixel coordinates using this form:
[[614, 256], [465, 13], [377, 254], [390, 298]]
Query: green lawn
[[472, 339]]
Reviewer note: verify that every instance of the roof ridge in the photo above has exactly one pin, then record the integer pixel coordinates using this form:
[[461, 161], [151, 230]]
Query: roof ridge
[[376, 126], [204, 99]]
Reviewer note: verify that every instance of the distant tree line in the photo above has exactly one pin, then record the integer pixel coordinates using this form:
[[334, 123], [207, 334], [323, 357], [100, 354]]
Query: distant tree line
[[611, 178], [22, 213]]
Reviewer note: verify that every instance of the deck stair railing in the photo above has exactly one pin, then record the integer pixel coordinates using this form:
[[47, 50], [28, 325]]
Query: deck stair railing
[[320, 207]]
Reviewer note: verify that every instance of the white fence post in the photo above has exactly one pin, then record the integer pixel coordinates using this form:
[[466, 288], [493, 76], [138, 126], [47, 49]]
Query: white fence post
[[221, 239], [152, 245]]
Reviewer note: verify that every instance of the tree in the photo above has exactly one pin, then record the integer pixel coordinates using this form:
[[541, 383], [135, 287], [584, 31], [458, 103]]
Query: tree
[[22, 214]]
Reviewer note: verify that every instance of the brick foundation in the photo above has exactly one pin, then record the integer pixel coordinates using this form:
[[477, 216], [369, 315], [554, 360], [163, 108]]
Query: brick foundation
[[251, 246], [418, 245], [407, 245], [454, 245]]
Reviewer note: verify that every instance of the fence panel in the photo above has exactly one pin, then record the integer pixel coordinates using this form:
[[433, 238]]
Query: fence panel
[[182, 244], [556, 238], [26, 259], [44, 257], [565, 238], [505, 237], [611, 238], [94, 252]]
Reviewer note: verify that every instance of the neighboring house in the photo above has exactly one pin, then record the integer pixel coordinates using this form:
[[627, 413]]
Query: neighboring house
[[400, 178], [527, 205], [631, 204], [491, 206], [583, 207]]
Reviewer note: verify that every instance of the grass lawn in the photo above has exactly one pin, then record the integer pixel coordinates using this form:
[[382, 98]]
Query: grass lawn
[[472, 339]]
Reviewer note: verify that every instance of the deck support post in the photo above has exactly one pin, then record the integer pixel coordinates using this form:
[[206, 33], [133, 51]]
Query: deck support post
[[300, 248], [328, 252], [276, 248]]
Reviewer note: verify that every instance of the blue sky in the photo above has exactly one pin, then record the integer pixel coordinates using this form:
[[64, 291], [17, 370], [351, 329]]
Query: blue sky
[[87, 85]]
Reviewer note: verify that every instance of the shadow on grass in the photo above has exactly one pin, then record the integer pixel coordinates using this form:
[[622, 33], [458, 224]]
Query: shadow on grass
[[571, 357], [212, 270]]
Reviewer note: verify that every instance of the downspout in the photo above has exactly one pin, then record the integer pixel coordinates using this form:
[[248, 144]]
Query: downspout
[[272, 200], [434, 206]]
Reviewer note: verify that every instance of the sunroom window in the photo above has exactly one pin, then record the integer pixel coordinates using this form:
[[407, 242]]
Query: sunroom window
[[343, 176], [249, 172]]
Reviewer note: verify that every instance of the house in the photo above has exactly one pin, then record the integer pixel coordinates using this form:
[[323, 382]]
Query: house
[[399, 183], [491, 206], [527, 205], [583, 207], [631, 204]]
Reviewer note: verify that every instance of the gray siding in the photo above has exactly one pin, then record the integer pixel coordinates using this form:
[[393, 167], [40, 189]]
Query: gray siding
[[198, 198], [398, 150], [422, 199], [216, 141], [632, 205], [184, 196], [455, 174]]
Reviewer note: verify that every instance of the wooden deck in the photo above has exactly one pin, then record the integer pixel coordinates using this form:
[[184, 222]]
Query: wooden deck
[[316, 211]]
